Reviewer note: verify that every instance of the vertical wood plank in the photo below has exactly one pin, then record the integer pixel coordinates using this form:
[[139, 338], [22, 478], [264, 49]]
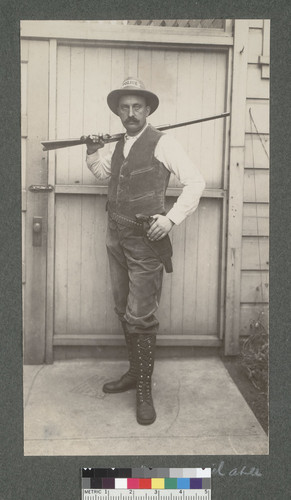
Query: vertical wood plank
[[177, 285], [93, 265], [74, 213], [225, 181], [131, 62], [168, 102], [102, 85], [191, 287], [195, 131], [158, 84], [237, 142], [96, 114], [117, 76], [208, 268], [144, 68], [221, 105], [63, 112], [240, 57], [74, 255], [165, 303], [61, 265], [35, 287], [51, 203], [76, 112], [214, 267], [214, 82], [183, 89], [91, 104], [208, 106]]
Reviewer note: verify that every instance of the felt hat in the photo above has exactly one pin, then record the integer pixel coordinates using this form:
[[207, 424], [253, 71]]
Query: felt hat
[[135, 86]]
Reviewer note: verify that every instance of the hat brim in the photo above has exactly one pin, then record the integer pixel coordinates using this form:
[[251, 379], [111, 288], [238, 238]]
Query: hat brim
[[113, 98]]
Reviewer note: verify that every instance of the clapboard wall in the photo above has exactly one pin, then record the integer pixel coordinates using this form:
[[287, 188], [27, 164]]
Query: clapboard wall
[[254, 285]]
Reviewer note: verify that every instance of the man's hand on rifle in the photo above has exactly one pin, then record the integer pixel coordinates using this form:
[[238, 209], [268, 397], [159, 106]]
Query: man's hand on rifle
[[94, 142]]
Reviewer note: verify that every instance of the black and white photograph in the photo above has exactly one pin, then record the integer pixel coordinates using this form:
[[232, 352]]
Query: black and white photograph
[[145, 236]]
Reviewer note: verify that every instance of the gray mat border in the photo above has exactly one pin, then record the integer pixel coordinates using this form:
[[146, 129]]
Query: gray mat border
[[53, 478]]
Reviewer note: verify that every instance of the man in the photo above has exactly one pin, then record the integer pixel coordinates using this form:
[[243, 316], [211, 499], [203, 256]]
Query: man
[[137, 239]]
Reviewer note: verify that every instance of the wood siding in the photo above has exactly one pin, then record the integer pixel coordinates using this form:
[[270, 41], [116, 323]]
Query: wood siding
[[255, 239]]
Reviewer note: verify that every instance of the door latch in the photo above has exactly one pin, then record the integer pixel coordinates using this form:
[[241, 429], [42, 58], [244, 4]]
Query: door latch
[[40, 188], [37, 231]]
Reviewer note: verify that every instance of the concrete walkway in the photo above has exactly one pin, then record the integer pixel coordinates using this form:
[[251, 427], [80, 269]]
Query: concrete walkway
[[199, 411]]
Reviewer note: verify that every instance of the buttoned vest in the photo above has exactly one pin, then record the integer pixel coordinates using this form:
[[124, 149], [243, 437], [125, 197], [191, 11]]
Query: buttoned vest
[[138, 183]]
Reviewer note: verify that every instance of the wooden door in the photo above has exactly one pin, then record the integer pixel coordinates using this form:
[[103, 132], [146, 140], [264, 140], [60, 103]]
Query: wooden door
[[191, 83]]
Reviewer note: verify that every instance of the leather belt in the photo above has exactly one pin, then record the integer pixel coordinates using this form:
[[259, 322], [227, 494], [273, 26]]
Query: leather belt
[[125, 221]]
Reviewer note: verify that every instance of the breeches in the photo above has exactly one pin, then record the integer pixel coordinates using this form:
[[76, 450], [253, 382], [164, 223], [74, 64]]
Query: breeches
[[136, 276]]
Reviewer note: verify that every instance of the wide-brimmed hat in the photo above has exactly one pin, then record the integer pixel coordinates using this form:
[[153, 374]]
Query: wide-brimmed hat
[[132, 86]]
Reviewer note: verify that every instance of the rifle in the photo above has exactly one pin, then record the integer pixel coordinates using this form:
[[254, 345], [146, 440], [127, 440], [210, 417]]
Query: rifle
[[65, 143]]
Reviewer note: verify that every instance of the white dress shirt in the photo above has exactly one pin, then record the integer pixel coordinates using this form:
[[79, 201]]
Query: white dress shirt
[[169, 152]]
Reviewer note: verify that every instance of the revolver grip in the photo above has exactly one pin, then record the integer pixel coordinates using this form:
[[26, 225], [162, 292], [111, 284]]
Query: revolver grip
[[146, 221]]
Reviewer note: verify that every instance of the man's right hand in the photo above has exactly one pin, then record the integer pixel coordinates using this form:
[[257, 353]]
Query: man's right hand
[[94, 142]]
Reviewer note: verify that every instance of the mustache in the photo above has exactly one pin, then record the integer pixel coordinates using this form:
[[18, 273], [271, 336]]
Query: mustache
[[131, 120]]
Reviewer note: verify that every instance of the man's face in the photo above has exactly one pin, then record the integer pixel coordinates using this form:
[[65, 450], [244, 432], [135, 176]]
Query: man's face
[[133, 112]]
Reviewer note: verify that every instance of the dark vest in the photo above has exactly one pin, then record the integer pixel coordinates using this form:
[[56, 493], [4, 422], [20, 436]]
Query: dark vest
[[138, 183]]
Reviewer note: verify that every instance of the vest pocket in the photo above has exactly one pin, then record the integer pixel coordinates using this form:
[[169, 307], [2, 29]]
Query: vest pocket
[[141, 170], [142, 197]]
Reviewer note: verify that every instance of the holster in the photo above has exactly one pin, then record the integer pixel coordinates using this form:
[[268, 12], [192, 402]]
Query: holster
[[162, 248]]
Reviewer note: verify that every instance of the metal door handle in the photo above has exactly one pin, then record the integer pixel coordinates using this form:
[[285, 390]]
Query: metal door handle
[[37, 231]]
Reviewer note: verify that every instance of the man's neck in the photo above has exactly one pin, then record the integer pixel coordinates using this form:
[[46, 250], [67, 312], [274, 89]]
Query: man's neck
[[138, 133]]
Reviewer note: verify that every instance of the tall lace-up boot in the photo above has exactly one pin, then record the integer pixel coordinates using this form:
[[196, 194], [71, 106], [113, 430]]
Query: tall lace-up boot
[[145, 347], [128, 380]]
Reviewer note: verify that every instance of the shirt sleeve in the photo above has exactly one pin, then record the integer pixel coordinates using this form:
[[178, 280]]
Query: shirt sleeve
[[174, 157], [100, 166]]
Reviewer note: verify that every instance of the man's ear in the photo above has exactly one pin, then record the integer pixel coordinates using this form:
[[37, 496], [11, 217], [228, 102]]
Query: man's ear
[[148, 110]]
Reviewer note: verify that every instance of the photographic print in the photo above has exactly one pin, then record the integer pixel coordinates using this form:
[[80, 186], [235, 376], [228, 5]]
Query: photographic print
[[145, 236]]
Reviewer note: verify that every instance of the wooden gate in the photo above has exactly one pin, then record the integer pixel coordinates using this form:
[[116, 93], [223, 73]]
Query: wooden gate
[[192, 81]]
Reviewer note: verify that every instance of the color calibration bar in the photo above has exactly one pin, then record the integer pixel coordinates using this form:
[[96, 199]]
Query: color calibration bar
[[146, 484]]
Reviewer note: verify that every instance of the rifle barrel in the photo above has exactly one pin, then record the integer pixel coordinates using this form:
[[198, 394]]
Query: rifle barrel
[[65, 143], [192, 122]]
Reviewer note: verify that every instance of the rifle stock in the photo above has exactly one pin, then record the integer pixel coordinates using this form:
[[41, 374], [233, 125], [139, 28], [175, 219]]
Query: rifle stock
[[66, 143]]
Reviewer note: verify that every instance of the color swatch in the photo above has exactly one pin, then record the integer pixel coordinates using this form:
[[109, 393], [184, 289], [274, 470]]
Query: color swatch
[[146, 479]]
